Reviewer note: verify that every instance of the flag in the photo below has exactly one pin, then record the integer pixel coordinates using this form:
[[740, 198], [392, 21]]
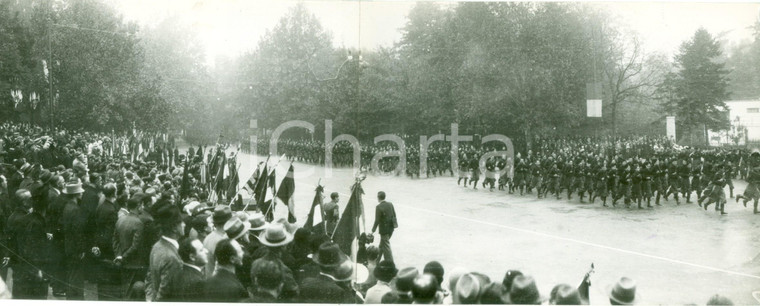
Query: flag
[[219, 180], [185, 189], [259, 192], [285, 194], [250, 185], [583, 288], [203, 174], [314, 215], [234, 180], [269, 194], [347, 232], [261, 185]]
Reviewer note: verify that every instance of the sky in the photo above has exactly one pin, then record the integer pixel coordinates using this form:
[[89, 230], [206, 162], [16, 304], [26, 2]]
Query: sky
[[232, 27]]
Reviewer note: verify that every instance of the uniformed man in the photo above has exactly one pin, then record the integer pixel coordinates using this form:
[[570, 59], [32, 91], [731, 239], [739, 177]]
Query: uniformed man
[[683, 172], [521, 172], [601, 182], [674, 181], [553, 176], [647, 174], [536, 172], [464, 167], [716, 193], [753, 179], [637, 179], [474, 164]]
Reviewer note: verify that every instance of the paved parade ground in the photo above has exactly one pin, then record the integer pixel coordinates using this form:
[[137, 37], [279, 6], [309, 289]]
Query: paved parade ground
[[677, 254]]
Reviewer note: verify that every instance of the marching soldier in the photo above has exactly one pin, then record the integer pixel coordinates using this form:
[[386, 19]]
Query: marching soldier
[[568, 179], [553, 181], [602, 181], [753, 179], [490, 179], [475, 171], [464, 166], [674, 181], [696, 178], [503, 178], [636, 182], [683, 173], [716, 193], [730, 171], [521, 173], [537, 179], [646, 184]]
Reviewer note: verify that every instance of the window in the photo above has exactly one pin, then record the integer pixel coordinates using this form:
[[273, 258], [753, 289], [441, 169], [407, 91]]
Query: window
[[753, 110]]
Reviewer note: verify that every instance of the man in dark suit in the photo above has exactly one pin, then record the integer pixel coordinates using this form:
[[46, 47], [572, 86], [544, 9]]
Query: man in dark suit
[[385, 218], [5, 212], [164, 256], [324, 287], [73, 223], [128, 246], [267, 278], [31, 242], [105, 221], [224, 285], [187, 285], [14, 181]]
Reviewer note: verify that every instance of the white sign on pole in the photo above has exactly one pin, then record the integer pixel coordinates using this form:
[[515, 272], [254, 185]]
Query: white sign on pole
[[670, 127], [594, 108]]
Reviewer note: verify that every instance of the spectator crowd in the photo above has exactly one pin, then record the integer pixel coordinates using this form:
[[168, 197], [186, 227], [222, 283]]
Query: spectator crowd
[[131, 215]]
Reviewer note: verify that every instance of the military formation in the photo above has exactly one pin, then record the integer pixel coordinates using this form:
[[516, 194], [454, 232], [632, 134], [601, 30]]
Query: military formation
[[641, 172]]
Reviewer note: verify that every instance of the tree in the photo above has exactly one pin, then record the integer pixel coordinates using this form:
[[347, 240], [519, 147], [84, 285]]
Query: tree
[[744, 63], [283, 83], [697, 92], [630, 74], [10, 59], [173, 68]]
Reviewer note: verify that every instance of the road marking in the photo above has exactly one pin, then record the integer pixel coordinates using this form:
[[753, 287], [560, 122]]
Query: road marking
[[516, 229], [665, 259]]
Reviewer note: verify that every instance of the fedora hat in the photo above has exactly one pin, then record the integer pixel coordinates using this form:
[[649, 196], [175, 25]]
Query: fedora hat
[[275, 235], [45, 176], [468, 289], [524, 291], [623, 292], [424, 287], [329, 255], [222, 213], [564, 294], [345, 271], [290, 227], [236, 228], [74, 187], [494, 293], [404, 280], [258, 223], [385, 271], [168, 215]]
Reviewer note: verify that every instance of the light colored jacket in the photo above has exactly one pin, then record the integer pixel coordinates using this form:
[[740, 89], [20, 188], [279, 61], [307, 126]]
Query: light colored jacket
[[164, 264]]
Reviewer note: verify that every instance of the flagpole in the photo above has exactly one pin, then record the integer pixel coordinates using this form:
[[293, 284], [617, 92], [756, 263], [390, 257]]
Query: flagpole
[[321, 211], [263, 176]]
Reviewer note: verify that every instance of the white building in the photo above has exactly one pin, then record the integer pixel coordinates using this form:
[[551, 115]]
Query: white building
[[745, 124]]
